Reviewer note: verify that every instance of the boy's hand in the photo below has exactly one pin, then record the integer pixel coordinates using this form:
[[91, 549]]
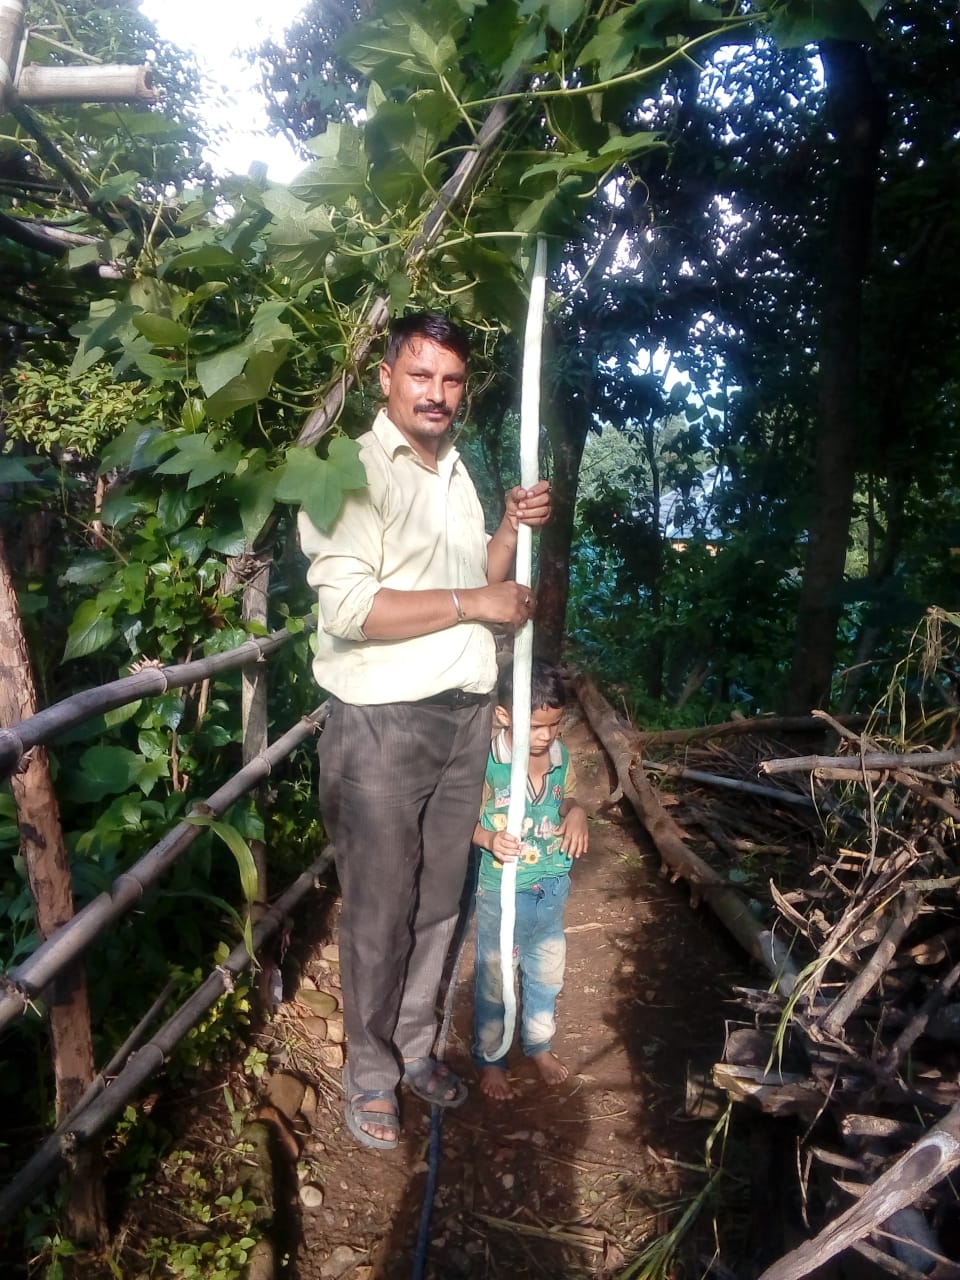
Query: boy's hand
[[504, 847], [573, 831]]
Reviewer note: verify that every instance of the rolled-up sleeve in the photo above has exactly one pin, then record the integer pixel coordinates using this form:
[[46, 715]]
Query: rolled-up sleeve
[[345, 565]]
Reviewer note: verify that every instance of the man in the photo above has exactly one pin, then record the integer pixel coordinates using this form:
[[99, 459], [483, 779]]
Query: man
[[408, 586]]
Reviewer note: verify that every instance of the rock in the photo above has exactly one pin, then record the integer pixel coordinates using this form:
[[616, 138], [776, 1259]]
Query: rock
[[285, 1092], [330, 952], [339, 1262], [318, 1002], [308, 1107], [306, 983], [335, 1032], [315, 1028], [262, 1262], [311, 1196], [507, 1180], [332, 1056]]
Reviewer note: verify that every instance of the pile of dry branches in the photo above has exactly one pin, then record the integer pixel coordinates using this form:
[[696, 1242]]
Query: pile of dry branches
[[858, 924]]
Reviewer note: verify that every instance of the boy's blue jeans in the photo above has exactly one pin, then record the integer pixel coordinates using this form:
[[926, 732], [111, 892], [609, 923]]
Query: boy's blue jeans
[[539, 952]]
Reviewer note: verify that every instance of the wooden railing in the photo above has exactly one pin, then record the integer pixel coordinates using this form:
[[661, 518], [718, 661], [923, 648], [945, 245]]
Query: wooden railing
[[118, 1081]]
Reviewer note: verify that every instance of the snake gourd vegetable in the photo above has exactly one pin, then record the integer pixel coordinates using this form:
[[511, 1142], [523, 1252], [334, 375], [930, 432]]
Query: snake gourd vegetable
[[523, 642]]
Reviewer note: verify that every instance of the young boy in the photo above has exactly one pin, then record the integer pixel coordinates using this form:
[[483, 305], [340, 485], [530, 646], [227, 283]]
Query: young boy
[[554, 833]]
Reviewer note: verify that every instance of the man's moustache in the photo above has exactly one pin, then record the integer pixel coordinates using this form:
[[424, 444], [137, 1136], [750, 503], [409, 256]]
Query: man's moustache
[[432, 408]]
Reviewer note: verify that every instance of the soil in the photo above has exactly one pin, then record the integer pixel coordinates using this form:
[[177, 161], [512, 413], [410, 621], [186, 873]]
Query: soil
[[574, 1180], [567, 1181]]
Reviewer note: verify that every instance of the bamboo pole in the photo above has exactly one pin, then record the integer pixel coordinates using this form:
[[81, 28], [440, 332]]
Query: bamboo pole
[[51, 1157], [27, 980], [105, 82], [38, 729], [11, 42]]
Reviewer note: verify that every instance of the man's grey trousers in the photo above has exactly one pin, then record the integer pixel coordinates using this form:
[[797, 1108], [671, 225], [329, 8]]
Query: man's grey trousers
[[400, 791]]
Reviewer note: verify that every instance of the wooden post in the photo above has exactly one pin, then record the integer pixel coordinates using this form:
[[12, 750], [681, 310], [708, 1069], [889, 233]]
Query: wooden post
[[48, 873], [253, 697]]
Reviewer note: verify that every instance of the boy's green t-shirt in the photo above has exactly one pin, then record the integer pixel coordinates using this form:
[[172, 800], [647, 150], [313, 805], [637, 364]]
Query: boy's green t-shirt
[[540, 852]]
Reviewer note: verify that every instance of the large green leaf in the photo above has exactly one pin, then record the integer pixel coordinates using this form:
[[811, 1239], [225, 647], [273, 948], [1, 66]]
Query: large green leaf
[[407, 47], [340, 170], [254, 490], [201, 457], [109, 770], [214, 372], [160, 330], [90, 630], [795, 23], [253, 384], [317, 484], [561, 14], [300, 236]]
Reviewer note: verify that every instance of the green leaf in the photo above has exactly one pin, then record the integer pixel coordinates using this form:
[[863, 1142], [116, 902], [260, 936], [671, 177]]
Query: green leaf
[[609, 47], [340, 170], [121, 505], [13, 471], [107, 770], [255, 494], [311, 483], [253, 385], [157, 367], [562, 14], [198, 456], [192, 542], [160, 330], [241, 851], [300, 237], [85, 572], [211, 255], [344, 454], [122, 184], [123, 451], [802, 22], [229, 542], [90, 630], [216, 371]]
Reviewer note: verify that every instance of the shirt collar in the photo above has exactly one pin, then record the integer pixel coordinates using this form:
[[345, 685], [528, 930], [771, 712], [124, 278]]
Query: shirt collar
[[502, 754], [393, 440]]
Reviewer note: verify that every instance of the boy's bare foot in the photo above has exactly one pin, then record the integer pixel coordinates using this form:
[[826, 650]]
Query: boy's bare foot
[[550, 1067], [494, 1084]]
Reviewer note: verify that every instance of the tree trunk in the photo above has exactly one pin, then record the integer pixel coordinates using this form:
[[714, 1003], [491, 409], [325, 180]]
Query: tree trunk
[[857, 118], [567, 428], [48, 873]]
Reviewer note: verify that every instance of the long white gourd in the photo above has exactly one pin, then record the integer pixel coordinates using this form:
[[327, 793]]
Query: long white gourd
[[523, 643]]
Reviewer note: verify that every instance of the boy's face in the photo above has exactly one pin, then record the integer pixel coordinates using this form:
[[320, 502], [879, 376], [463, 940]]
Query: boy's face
[[544, 727]]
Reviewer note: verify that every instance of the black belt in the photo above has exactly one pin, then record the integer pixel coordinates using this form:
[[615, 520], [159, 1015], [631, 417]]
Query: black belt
[[454, 698]]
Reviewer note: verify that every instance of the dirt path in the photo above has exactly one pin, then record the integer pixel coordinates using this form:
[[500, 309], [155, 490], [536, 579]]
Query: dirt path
[[567, 1182]]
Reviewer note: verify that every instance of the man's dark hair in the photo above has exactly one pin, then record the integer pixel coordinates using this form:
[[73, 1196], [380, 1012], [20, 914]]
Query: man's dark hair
[[546, 687], [426, 324]]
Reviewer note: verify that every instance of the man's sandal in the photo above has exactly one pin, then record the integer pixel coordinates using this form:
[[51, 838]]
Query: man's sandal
[[434, 1082], [357, 1113]]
